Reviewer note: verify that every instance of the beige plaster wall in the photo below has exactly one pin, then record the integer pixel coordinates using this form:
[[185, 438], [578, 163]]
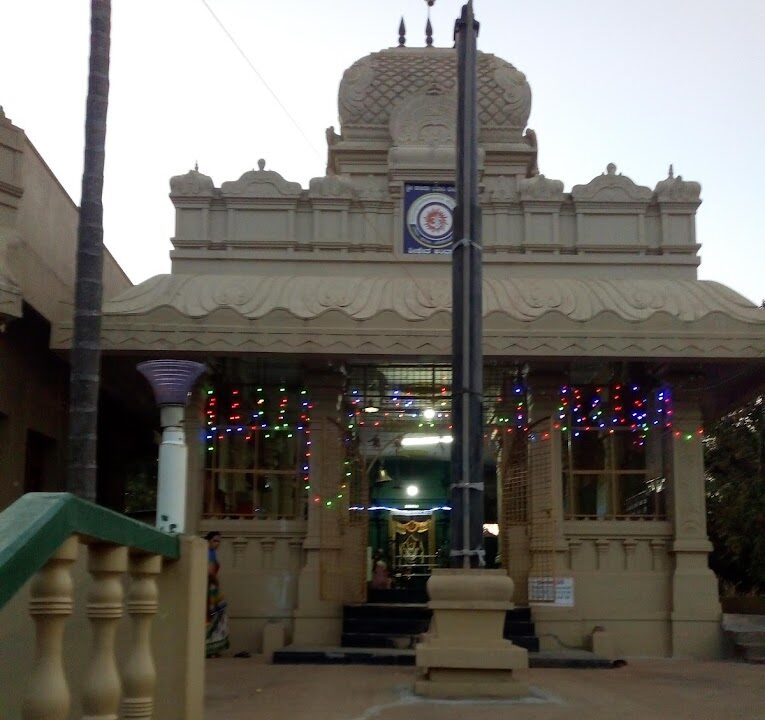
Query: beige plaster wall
[[622, 583], [42, 230], [260, 563], [177, 639], [38, 238]]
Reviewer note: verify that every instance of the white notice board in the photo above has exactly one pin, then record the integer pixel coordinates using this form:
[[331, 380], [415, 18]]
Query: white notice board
[[552, 591]]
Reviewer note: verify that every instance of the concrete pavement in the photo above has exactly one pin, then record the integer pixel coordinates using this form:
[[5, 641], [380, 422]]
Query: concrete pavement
[[655, 689]]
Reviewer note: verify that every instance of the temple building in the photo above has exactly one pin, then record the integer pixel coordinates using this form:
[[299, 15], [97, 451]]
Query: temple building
[[319, 437]]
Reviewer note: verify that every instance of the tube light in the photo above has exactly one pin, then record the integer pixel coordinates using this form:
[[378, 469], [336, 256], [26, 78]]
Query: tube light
[[418, 440]]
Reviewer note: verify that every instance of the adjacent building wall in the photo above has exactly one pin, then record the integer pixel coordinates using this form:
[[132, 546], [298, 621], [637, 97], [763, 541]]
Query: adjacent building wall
[[38, 239]]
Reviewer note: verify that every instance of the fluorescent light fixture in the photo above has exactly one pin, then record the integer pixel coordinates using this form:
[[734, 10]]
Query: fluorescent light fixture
[[428, 413], [412, 490], [415, 440], [371, 409]]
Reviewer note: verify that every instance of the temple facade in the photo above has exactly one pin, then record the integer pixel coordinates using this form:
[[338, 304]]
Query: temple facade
[[319, 438]]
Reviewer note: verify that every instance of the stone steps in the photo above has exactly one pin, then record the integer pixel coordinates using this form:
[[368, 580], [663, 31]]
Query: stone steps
[[306, 655], [746, 634], [400, 625]]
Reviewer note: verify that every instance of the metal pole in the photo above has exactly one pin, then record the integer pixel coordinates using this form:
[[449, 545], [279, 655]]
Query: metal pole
[[467, 356]]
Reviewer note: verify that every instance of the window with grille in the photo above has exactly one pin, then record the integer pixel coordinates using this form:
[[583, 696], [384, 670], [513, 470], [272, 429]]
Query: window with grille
[[257, 451], [613, 452]]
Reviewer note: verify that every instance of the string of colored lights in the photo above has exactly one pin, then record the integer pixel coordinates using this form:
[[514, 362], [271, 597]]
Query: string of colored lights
[[263, 419], [617, 406], [264, 415]]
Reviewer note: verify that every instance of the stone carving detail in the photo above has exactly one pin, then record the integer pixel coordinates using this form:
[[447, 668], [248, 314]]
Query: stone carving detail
[[331, 186], [193, 183], [261, 183], [332, 136], [503, 189], [371, 188], [373, 86], [541, 188], [675, 189], [425, 120], [354, 86], [530, 138], [516, 93], [611, 187], [361, 298]]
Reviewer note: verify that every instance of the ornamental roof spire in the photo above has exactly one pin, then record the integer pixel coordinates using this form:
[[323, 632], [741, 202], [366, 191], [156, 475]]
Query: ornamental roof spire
[[428, 26]]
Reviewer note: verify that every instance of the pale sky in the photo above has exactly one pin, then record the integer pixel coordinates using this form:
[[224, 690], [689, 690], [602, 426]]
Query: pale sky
[[641, 83]]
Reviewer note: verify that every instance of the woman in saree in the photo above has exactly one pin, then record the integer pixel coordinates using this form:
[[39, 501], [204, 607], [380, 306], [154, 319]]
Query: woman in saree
[[216, 636]]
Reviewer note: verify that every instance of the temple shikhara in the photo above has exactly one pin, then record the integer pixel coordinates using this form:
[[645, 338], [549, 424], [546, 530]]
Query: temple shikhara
[[319, 436]]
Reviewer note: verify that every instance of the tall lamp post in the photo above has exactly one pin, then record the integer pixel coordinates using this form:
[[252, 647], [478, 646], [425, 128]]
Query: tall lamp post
[[465, 654], [467, 352], [171, 381]]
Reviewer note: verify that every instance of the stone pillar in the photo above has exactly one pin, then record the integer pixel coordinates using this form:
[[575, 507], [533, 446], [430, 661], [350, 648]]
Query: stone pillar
[[464, 654], [696, 612], [178, 633], [548, 550], [196, 443], [318, 619]]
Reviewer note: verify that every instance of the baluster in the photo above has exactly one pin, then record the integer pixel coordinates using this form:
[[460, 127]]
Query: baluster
[[51, 601], [139, 676], [102, 688]]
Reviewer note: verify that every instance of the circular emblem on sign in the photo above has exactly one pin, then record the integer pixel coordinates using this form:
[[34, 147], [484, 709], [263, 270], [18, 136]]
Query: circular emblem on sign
[[430, 220]]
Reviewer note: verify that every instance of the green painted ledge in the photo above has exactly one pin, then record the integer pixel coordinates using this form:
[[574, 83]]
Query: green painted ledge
[[36, 525]]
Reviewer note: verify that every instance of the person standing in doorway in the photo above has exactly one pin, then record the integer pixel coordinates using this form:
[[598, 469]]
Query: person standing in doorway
[[216, 635]]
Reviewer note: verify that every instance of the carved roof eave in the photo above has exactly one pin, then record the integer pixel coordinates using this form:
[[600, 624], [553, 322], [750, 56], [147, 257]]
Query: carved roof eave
[[398, 316]]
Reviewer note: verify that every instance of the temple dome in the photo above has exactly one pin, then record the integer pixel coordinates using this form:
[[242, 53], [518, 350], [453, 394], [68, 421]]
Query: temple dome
[[376, 85]]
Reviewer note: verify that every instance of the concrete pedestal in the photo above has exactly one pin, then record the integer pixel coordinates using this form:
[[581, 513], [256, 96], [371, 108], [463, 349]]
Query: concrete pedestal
[[464, 654]]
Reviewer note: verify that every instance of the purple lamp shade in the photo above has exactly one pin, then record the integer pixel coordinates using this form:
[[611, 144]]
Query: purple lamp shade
[[171, 380]]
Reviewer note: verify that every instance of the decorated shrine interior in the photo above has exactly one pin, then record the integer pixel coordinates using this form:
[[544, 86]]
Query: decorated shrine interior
[[613, 417]]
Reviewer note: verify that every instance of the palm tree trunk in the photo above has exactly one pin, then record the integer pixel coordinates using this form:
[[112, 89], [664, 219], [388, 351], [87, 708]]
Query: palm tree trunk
[[86, 344]]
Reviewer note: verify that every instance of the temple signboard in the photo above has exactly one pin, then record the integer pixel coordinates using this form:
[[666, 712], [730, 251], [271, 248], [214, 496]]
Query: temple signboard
[[428, 218]]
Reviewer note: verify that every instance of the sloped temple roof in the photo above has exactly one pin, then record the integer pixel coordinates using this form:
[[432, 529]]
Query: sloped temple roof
[[263, 265], [375, 315]]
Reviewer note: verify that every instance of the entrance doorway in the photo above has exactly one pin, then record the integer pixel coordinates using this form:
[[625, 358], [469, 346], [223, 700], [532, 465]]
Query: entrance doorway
[[400, 417]]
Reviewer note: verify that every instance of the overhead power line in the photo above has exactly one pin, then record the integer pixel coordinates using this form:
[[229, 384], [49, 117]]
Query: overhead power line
[[262, 80]]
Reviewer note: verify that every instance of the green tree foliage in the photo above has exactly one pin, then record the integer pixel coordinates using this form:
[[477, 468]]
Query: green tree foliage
[[735, 484], [141, 489]]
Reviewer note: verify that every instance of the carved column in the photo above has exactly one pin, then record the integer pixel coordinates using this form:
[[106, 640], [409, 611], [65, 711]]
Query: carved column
[[545, 481], [318, 618], [139, 675], [102, 687], [696, 609], [195, 432], [51, 602]]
